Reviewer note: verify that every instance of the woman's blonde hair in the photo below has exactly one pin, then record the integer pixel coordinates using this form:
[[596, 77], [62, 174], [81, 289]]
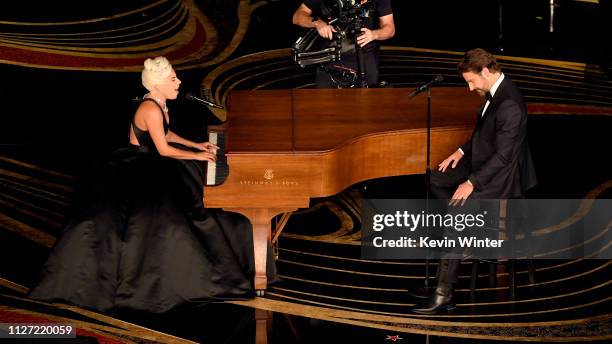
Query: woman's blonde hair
[[155, 71]]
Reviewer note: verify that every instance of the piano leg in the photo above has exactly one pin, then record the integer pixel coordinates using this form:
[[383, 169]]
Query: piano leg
[[261, 238], [263, 321], [261, 219]]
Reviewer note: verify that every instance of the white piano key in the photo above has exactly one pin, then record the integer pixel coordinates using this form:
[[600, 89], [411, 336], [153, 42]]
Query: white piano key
[[211, 169]]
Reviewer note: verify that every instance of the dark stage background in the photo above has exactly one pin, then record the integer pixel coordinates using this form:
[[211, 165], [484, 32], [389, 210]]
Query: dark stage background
[[63, 119], [91, 109]]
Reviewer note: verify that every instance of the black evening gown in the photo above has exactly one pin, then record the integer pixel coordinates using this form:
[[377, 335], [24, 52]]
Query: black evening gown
[[142, 240]]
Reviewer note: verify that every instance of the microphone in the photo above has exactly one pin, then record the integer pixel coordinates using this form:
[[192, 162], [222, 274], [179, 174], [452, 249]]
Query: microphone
[[190, 96], [423, 87]]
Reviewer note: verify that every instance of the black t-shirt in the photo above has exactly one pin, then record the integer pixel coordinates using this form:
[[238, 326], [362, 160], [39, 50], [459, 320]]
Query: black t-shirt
[[379, 8]]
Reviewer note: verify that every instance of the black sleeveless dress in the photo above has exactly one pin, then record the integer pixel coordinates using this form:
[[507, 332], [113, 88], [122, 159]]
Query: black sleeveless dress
[[142, 239]]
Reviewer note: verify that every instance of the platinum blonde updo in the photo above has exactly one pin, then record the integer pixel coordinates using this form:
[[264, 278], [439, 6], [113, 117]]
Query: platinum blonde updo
[[155, 71]]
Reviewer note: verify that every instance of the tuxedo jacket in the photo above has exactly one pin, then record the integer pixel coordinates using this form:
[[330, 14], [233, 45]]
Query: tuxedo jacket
[[500, 161]]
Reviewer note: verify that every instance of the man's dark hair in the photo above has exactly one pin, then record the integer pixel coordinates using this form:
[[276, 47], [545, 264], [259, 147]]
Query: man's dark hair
[[477, 59]]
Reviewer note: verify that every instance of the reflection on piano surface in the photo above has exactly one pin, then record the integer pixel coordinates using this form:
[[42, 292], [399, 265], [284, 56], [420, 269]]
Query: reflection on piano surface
[[283, 147]]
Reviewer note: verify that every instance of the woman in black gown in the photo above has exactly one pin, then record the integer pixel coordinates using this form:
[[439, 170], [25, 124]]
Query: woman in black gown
[[142, 239]]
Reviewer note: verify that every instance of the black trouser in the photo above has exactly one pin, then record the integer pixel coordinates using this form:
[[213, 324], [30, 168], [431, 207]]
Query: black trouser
[[443, 186]]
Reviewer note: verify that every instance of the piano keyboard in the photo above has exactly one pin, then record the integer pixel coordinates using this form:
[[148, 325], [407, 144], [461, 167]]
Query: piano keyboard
[[216, 172]]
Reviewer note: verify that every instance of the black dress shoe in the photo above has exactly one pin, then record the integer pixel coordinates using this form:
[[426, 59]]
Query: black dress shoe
[[421, 292], [438, 302]]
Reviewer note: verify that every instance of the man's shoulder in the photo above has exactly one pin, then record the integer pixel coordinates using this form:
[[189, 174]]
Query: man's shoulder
[[312, 4], [307, 2], [510, 100], [383, 7], [509, 89]]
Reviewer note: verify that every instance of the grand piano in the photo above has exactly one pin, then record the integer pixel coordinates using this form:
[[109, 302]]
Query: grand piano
[[283, 147]]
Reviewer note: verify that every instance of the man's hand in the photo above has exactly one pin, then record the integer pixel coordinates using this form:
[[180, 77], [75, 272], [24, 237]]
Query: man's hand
[[453, 158], [463, 192], [366, 37], [325, 30]]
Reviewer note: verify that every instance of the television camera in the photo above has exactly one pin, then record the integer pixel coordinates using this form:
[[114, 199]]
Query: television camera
[[346, 17]]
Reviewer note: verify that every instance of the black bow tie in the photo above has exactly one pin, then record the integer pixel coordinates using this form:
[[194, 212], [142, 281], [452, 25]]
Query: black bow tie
[[488, 96]]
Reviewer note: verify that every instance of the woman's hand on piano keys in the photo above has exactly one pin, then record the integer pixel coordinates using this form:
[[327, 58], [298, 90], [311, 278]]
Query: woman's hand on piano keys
[[206, 147], [205, 156]]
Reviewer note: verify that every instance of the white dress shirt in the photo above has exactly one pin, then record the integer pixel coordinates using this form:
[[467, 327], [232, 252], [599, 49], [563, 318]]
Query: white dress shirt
[[492, 91]]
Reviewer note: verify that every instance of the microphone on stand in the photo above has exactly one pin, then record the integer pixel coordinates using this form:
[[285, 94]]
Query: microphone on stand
[[423, 87], [418, 90], [190, 96]]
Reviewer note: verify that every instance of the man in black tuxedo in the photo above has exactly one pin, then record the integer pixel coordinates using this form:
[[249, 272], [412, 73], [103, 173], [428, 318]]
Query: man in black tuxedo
[[494, 164]]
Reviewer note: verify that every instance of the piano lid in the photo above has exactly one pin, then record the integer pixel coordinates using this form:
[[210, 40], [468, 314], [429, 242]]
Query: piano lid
[[307, 120]]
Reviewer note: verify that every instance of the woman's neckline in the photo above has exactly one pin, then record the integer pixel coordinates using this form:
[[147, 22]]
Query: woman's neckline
[[161, 103]]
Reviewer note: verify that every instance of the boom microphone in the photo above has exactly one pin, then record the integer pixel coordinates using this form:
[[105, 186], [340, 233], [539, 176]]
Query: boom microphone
[[190, 96], [423, 87]]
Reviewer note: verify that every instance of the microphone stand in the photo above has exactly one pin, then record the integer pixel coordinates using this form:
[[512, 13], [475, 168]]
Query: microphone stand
[[428, 168], [428, 177]]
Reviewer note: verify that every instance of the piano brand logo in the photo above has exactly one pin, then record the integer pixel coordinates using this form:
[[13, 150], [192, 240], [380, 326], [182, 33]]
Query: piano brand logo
[[268, 177], [269, 174]]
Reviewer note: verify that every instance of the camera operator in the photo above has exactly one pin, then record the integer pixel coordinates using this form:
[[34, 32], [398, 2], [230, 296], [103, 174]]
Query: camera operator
[[377, 26]]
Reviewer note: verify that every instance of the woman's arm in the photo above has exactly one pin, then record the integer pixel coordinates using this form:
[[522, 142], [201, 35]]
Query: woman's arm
[[203, 146], [153, 120]]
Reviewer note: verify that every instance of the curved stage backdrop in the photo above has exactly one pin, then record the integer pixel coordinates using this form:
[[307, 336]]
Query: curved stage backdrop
[[70, 73]]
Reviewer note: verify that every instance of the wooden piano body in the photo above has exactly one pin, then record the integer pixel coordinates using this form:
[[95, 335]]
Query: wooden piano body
[[284, 147]]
